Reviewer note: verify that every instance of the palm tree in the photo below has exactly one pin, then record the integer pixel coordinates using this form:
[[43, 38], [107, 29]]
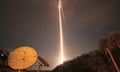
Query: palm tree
[[112, 59], [114, 42], [104, 45]]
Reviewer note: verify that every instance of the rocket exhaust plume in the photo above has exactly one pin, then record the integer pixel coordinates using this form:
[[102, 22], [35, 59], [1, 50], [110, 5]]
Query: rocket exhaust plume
[[61, 31]]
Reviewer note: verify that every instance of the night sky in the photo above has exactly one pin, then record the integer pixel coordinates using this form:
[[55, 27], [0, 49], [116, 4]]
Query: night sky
[[35, 23]]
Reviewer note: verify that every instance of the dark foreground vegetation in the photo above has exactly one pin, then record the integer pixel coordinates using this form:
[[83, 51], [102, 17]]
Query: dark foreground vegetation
[[104, 59], [93, 62]]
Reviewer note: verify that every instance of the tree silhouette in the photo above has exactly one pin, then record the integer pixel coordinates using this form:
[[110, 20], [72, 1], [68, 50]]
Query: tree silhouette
[[103, 44], [114, 39], [114, 48]]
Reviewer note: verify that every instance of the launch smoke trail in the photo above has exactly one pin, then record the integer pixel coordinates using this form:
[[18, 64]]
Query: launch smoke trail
[[61, 31]]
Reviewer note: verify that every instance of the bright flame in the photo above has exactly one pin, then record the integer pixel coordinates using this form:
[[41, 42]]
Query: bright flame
[[61, 32]]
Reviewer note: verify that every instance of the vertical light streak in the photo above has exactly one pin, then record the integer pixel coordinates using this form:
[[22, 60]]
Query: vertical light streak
[[61, 31]]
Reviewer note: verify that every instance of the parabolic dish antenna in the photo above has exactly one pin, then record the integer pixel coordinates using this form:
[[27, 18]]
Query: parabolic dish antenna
[[22, 57]]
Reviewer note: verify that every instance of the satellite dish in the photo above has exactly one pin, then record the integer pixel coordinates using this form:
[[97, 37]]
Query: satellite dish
[[22, 57]]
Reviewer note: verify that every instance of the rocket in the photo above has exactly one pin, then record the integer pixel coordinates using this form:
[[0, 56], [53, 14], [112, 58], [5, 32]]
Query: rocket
[[60, 4]]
